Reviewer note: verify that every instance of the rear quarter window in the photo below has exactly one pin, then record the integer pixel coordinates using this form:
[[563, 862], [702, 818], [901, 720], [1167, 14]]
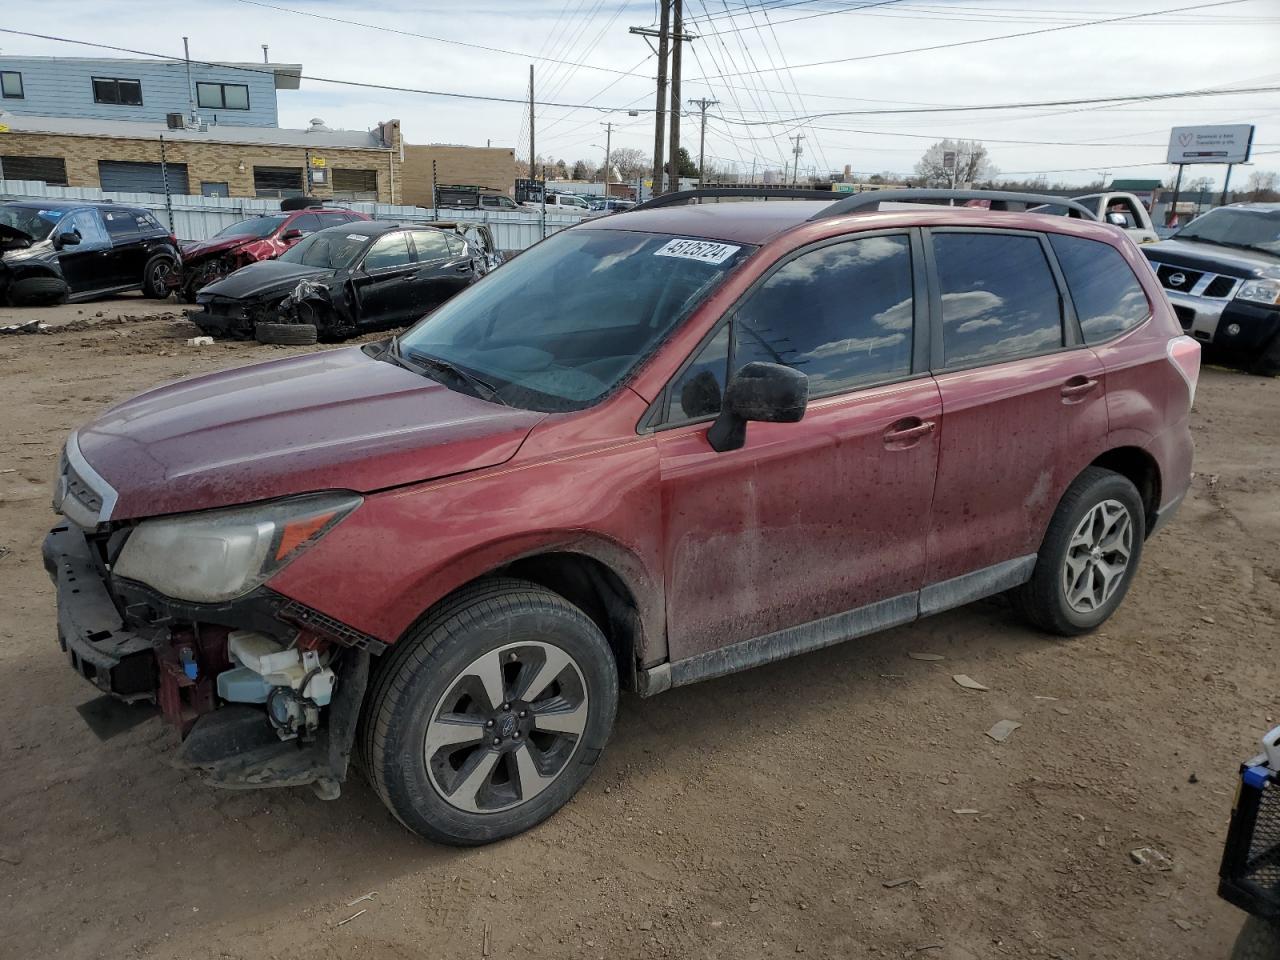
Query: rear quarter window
[[1107, 296]]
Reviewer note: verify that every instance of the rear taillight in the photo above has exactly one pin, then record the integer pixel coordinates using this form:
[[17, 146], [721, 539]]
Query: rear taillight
[[1184, 354]]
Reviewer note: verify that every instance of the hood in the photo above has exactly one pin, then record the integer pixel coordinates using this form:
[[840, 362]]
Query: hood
[[262, 277], [214, 246], [1213, 258], [337, 420], [11, 238]]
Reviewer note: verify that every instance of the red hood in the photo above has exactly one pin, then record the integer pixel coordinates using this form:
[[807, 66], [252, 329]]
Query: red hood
[[336, 420], [214, 245]]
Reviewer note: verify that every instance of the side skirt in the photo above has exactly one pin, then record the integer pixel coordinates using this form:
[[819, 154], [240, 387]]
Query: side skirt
[[839, 627]]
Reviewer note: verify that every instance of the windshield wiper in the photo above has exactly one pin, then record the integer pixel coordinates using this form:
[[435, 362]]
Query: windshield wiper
[[483, 388]]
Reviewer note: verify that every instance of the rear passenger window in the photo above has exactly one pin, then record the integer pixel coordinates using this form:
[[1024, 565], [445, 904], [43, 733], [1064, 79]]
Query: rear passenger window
[[121, 225], [840, 314], [1107, 296], [999, 298]]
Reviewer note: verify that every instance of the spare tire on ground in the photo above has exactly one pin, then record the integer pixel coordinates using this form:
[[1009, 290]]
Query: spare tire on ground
[[288, 333], [38, 291]]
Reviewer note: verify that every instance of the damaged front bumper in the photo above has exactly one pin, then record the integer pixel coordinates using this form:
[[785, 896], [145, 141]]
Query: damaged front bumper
[[137, 646]]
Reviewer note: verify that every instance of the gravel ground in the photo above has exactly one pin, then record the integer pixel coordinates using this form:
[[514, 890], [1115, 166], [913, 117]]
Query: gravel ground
[[847, 803]]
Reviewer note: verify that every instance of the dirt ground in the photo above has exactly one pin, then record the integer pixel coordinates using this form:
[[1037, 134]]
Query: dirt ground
[[847, 803]]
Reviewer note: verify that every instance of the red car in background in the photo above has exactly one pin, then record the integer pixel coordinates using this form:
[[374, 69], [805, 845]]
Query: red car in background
[[246, 242]]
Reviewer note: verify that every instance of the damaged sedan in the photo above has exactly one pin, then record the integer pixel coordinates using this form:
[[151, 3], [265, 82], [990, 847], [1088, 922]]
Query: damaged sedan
[[341, 281]]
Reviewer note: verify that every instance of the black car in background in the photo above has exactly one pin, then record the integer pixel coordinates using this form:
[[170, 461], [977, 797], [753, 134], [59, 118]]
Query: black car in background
[[52, 251], [341, 281], [1222, 274]]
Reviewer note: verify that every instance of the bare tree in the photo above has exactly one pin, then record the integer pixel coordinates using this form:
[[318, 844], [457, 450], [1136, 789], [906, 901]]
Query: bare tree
[[629, 162], [1262, 185], [972, 163]]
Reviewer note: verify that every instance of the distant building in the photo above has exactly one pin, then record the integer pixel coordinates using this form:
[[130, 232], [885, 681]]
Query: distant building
[[225, 94], [221, 161]]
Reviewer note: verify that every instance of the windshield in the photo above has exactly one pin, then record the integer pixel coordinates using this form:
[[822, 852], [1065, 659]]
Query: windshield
[[32, 221], [1236, 227], [562, 324], [257, 227], [333, 249]]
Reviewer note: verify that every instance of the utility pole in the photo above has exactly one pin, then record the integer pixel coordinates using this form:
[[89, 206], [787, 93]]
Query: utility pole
[[677, 25], [795, 169], [608, 144], [702, 105], [1104, 174], [532, 175]]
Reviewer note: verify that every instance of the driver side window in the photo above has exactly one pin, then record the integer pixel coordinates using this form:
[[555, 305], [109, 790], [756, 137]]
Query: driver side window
[[87, 224]]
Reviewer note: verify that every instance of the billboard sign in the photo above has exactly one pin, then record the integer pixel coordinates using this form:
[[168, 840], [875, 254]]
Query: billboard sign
[[1224, 143], [949, 160]]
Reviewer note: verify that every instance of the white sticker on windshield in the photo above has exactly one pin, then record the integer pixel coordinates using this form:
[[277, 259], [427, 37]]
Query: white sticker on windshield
[[704, 251]]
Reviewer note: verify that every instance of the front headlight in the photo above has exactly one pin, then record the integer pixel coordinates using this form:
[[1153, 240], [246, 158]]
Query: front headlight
[[1260, 291], [218, 555]]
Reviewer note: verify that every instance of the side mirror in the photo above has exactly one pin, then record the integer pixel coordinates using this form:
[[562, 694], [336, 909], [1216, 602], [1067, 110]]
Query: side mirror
[[290, 235], [68, 239], [1117, 220], [767, 392]]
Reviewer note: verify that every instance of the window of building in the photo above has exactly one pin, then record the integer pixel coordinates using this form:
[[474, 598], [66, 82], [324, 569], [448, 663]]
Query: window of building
[[999, 298], [222, 96], [841, 315], [1107, 296], [11, 85], [355, 184], [117, 91], [277, 181], [51, 170], [215, 188], [391, 250]]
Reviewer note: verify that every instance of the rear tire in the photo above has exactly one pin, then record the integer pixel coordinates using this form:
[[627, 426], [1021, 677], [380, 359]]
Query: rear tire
[[38, 291], [293, 334], [1258, 940], [1089, 555], [155, 277], [490, 714]]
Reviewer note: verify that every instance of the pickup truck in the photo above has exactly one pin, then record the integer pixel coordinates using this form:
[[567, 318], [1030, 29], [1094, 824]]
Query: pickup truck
[[1122, 210]]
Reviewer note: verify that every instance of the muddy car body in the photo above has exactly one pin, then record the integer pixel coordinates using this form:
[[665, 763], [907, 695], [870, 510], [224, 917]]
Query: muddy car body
[[341, 280], [650, 450], [250, 241]]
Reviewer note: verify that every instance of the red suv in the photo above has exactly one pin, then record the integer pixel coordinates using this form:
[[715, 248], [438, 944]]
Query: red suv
[[248, 241], [651, 449]]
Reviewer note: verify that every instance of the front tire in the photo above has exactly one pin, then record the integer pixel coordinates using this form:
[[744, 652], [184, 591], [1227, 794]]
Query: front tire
[[1089, 555], [490, 714], [38, 291]]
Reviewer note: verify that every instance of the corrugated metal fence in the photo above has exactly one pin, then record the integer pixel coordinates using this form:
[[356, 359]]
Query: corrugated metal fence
[[198, 218]]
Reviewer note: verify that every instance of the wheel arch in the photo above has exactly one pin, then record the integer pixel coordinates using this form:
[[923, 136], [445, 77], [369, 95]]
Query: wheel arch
[[602, 578], [1142, 470]]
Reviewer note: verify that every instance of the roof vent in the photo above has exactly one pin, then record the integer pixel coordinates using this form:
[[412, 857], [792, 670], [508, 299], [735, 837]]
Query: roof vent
[[317, 126]]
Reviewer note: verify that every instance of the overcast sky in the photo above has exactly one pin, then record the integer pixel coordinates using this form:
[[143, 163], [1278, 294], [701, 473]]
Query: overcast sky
[[765, 49]]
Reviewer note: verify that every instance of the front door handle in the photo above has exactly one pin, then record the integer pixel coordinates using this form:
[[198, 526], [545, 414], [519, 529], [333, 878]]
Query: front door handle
[[908, 432], [1077, 387]]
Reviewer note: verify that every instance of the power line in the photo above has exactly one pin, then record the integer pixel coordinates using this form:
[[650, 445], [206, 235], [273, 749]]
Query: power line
[[1007, 36]]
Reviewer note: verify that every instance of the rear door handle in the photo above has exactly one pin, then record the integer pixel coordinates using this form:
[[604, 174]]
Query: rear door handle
[[908, 432], [1078, 386]]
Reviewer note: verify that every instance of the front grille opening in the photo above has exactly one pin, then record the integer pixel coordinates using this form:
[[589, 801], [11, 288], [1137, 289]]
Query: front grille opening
[[1220, 287], [1186, 316], [1263, 864]]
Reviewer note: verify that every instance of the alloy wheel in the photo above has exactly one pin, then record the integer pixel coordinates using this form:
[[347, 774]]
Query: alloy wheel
[[1097, 556], [506, 728]]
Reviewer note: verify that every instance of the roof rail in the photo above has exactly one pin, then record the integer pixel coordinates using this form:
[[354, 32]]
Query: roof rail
[[751, 193], [999, 200]]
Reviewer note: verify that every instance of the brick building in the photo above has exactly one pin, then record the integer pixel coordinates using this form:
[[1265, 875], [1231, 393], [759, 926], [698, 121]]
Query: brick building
[[240, 161], [491, 168]]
